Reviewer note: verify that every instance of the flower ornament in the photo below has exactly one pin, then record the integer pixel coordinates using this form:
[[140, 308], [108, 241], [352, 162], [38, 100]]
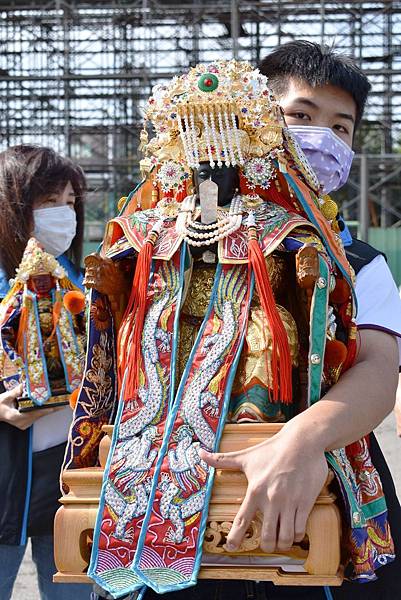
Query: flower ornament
[[259, 172], [171, 176]]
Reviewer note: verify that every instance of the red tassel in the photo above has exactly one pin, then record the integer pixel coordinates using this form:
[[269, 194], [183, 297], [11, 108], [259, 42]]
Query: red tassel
[[282, 377], [129, 337]]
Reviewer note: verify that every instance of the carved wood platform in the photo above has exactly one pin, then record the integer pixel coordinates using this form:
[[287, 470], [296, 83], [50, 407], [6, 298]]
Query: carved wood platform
[[320, 551]]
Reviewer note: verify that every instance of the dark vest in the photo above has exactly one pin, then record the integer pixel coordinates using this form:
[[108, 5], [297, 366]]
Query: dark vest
[[388, 584]]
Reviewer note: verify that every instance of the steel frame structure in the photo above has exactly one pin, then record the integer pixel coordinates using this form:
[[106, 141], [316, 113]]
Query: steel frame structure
[[75, 74]]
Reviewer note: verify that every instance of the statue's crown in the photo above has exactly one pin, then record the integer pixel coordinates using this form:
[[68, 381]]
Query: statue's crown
[[222, 113], [35, 261]]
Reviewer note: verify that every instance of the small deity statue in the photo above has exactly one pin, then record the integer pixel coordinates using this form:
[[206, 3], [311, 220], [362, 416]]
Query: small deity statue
[[42, 343], [225, 306]]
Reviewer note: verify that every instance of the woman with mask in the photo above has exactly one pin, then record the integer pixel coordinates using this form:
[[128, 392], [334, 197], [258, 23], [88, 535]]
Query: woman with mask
[[41, 195]]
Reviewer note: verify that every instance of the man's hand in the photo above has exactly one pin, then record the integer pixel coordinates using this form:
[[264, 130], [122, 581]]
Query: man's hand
[[10, 414], [285, 475]]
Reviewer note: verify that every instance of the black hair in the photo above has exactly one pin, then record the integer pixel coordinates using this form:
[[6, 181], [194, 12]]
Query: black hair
[[27, 172], [317, 66]]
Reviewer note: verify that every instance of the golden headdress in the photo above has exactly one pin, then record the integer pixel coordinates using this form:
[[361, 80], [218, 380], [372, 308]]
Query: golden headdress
[[222, 113], [35, 261]]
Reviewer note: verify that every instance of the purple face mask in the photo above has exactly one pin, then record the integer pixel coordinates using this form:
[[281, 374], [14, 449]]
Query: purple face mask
[[327, 154]]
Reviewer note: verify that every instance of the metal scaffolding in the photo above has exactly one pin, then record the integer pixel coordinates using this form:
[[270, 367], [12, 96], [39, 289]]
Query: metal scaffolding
[[75, 74]]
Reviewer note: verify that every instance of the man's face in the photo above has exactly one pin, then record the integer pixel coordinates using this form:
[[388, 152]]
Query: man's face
[[326, 106]]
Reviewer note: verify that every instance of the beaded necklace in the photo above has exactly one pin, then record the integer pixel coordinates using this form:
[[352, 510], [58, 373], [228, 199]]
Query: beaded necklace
[[199, 234]]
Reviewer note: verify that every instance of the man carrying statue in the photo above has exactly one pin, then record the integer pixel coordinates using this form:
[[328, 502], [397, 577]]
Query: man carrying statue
[[223, 294]]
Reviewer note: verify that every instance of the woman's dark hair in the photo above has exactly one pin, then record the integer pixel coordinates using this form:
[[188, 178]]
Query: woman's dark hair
[[317, 66], [27, 173]]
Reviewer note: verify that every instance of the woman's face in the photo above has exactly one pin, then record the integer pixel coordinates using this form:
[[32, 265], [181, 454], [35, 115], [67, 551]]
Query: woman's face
[[54, 222], [65, 197]]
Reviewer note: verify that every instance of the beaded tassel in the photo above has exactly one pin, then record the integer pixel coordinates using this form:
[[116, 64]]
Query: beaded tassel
[[207, 138], [224, 140], [230, 139], [189, 141], [237, 140], [194, 140], [185, 145], [215, 139]]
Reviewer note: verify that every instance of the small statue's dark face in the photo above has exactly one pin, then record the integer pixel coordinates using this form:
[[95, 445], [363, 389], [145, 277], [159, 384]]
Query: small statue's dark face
[[225, 177], [41, 284]]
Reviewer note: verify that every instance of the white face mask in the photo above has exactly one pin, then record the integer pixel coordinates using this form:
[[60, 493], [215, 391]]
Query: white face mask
[[55, 228]]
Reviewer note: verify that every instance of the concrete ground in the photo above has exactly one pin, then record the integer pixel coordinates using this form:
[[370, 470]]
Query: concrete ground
[[26, 588]]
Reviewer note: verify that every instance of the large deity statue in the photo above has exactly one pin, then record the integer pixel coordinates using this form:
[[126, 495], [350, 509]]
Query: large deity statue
[[222, 293]]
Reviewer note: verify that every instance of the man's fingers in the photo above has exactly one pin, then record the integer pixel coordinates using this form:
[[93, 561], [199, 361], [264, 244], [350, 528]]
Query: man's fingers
[[229, 460], [301, 518], [268, 537], [285, 531], [241, 523]]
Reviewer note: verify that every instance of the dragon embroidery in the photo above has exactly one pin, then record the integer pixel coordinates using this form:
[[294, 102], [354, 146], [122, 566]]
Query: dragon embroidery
[[128, 487]]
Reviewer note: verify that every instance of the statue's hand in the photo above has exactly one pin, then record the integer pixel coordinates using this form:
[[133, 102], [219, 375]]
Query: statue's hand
[[307, 266], [105, 275]]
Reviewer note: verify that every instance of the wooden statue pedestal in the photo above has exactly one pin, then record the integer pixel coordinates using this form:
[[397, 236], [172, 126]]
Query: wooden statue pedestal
[[75, 521]]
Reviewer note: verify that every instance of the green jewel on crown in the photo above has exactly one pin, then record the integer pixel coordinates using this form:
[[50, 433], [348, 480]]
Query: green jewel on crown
[[208, 82]]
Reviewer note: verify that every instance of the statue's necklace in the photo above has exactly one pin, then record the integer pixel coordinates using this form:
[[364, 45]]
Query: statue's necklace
[[199, 234]]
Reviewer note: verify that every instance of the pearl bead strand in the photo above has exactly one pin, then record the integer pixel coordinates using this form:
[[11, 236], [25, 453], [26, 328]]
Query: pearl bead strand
[[205, 235]]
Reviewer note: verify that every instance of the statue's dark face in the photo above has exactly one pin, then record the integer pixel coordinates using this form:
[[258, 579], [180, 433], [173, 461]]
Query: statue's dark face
[[225, 177], [41, 284]]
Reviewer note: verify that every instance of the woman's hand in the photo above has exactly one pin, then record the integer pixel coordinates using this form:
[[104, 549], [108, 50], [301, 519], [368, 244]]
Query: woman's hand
[[285, 475], [10, 414]]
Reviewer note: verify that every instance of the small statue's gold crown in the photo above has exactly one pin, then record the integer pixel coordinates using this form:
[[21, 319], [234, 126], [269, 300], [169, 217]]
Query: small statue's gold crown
[[35, 261], [222, 113]]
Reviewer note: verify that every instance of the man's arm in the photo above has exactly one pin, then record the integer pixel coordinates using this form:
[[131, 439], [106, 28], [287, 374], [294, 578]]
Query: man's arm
[[397, 407], [360, 400], [286, 473]]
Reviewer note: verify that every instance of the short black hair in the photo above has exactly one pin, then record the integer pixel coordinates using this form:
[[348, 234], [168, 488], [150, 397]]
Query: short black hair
[[317, 66]]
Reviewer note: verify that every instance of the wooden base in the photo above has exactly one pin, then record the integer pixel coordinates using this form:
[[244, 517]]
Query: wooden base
[[27, 405], [274, 574], [75, 522]]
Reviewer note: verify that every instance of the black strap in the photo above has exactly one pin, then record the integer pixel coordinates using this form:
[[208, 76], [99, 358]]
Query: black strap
[[360, 254]]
